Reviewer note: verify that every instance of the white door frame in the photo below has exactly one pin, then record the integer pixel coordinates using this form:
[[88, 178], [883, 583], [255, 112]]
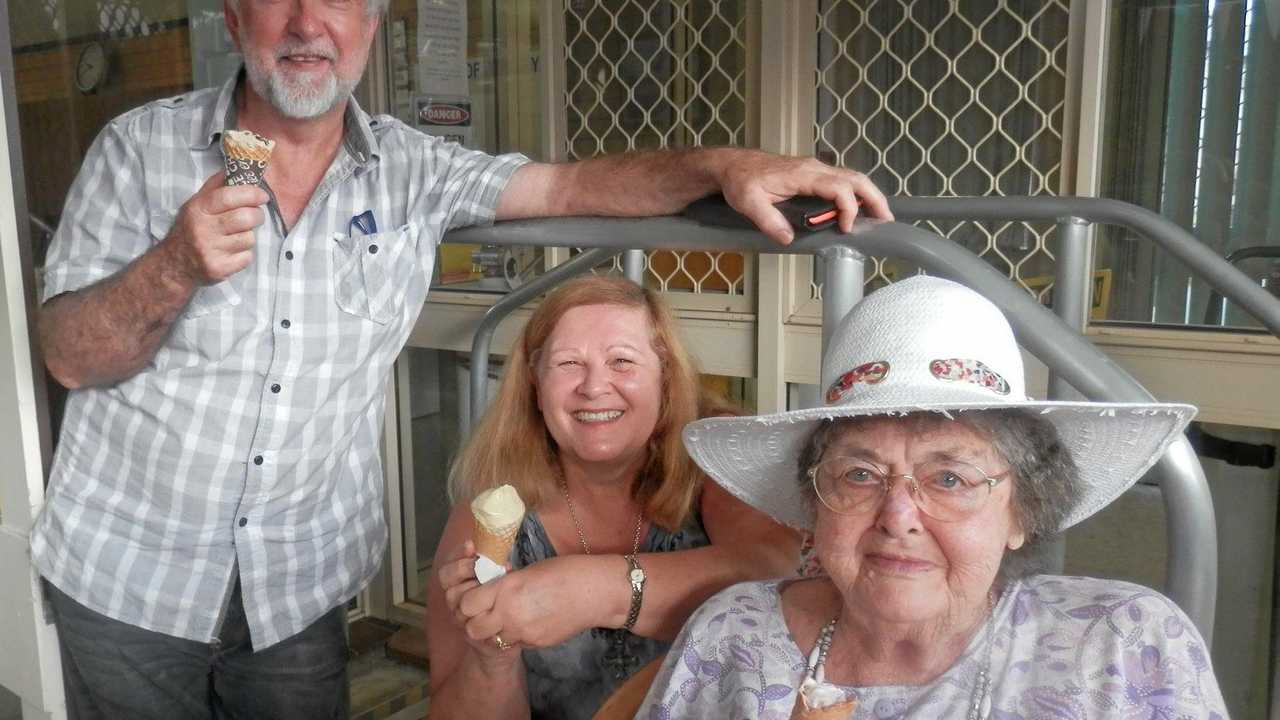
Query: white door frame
[[29, 662]]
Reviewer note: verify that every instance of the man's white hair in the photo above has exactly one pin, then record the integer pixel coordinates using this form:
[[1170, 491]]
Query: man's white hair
[[372, 7]]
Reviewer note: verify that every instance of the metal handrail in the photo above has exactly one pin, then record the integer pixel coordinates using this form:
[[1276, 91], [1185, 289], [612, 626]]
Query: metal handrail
[[1192, 531], [1215, 310]]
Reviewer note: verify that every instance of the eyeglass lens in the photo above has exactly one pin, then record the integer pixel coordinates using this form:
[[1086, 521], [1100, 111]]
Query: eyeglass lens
[[946, 490]]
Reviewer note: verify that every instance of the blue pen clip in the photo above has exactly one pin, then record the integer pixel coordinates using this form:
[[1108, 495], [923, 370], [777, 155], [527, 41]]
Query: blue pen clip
[[363, 222]]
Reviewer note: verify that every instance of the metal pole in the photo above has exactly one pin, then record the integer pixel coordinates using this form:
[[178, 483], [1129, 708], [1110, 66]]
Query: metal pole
[[1191, 531], [633, 266], [1073, 268], [1073, 271], [842, 280], [504, 307]]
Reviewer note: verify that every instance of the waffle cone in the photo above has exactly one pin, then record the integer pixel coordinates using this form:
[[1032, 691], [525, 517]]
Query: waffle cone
[[839, 711], [245, 156], [495, 544]]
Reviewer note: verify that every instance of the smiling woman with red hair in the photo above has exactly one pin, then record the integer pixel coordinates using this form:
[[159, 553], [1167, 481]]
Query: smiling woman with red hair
[[586, 426]]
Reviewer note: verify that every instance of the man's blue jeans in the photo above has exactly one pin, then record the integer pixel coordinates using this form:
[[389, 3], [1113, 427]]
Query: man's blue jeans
[[116, 671]]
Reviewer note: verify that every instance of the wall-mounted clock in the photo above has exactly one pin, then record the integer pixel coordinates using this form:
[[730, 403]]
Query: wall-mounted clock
[[91, 67]]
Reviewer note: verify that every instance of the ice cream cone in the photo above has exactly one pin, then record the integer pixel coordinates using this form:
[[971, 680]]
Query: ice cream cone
[[498, 514], [245, 155], [495, 544], [839, 711]]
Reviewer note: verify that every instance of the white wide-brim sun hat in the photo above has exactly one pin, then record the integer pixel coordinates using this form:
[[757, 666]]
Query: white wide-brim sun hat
[[928, 344]]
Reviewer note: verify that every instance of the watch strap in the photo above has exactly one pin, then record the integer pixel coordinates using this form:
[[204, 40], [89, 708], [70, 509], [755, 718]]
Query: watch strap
[[637, 590]]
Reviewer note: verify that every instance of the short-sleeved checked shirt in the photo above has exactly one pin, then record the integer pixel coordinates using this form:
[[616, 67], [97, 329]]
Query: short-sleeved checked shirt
[[251, 439]]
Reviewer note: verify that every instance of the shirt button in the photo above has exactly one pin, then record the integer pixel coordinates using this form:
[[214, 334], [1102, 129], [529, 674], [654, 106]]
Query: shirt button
[[257, 459], [288, 254], [373, 249], [285, 323], [244, 521], [275, 387]]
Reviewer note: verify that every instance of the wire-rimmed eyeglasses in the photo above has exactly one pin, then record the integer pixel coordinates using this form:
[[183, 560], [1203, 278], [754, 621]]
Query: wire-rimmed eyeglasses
[[946, 490]]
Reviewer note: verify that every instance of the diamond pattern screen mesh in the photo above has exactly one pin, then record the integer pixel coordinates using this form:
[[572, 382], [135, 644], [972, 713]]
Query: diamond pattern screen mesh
[[964, 97], [644, 74], [54, 10], [122, 18]]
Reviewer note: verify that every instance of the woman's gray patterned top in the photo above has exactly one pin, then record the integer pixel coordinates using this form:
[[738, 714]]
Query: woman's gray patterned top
[[573, 679], [1065, 648]]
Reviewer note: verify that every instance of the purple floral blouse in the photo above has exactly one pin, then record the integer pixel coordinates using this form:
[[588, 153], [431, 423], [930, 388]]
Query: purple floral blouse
[[1059, 647]]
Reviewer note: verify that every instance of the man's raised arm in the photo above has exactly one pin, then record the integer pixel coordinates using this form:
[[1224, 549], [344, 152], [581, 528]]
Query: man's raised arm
[[665, 181]]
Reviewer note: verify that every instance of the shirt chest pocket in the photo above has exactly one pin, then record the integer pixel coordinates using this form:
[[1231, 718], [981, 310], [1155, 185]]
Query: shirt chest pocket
[[373, 272]]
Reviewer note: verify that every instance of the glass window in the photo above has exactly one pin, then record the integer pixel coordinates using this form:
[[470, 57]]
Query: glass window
[[77, 64], [1191, 133], [469, 70], [437, 405]]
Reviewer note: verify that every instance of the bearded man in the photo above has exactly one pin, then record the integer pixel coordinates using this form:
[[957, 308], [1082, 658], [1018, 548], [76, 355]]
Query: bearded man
[[216, 494]]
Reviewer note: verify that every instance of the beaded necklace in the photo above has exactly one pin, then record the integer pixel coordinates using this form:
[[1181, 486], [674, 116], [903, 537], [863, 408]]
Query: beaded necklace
[[979, 698]]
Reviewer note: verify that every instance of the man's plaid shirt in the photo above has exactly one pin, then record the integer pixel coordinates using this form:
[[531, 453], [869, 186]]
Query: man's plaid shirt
[[251, 440]]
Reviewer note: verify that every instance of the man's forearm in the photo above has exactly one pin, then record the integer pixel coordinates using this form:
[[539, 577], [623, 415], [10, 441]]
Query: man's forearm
[[110, 330], [664, 182], [634, 184], [644, 183]]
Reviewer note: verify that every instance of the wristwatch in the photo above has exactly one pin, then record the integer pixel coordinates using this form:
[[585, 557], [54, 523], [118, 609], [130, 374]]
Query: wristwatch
[[636, 575]]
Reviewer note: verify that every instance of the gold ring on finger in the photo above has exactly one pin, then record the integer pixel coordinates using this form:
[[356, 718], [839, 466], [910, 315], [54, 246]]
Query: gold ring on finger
[[497, 640]]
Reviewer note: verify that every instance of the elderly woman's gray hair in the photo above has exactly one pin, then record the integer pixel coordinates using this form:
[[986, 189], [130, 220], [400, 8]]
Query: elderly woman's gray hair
[[1043, 472]]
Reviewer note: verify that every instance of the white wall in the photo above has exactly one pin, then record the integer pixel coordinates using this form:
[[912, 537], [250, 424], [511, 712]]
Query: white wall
[[28, 655]]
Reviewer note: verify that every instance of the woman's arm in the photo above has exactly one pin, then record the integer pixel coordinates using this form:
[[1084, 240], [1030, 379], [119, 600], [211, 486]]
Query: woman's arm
[[469, 678], [550, 601], [745, 545]]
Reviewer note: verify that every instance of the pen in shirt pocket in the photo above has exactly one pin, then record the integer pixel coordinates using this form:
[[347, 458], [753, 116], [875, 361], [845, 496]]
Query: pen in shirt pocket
[[364, 223]]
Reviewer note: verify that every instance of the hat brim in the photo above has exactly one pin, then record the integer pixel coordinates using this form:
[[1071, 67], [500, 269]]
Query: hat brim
[[755, 457]]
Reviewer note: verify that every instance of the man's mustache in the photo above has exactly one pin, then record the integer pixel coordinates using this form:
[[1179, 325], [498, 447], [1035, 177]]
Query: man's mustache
[[323, 50]]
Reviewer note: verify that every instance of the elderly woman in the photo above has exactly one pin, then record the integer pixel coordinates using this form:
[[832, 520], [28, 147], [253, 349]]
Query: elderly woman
[[927, 477], [624, 537]]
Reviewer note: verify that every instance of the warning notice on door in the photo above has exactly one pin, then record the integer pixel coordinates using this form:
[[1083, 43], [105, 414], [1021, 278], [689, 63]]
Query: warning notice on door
[[445, 116]]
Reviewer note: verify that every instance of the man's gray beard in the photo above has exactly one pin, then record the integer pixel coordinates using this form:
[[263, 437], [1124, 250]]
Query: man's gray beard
[[299, 101]]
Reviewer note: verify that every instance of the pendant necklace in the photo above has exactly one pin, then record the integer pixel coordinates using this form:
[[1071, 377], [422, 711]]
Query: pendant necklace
[[618, 657], [582, 538]]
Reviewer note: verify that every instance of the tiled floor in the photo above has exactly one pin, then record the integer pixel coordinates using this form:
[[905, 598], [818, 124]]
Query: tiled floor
[[385, 685], [381, 687]]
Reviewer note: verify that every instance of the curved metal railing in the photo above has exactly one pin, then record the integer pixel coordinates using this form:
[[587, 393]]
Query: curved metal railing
[[1057, 342]]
